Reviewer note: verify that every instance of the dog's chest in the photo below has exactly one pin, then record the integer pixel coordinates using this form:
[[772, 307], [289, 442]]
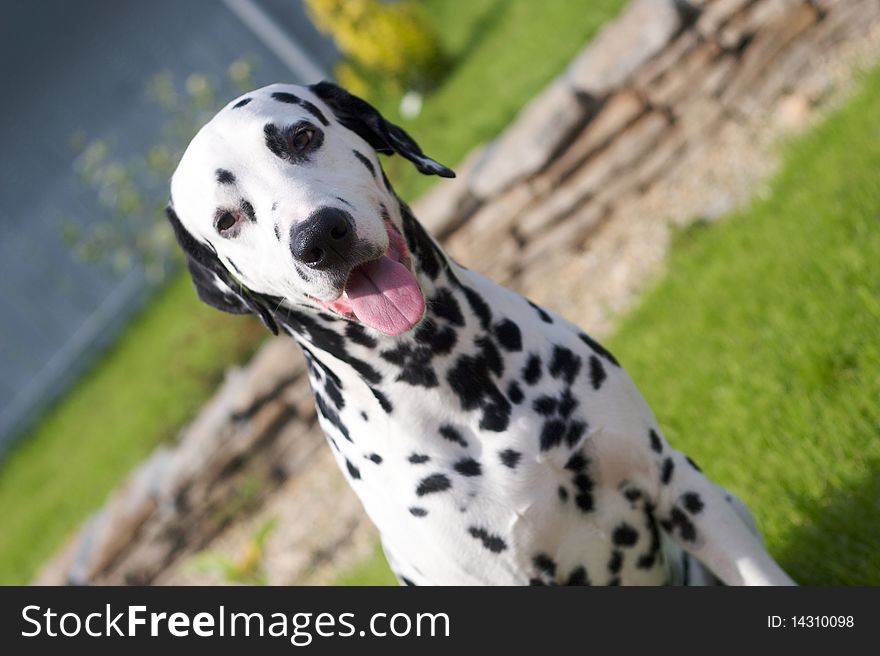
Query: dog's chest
[[475, 460]]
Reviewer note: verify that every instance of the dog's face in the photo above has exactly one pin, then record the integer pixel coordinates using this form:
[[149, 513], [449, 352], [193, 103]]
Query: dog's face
[[282, 195]]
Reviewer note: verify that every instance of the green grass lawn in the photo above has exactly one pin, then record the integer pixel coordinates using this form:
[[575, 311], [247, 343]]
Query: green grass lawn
[[172, 357], [759, 351]]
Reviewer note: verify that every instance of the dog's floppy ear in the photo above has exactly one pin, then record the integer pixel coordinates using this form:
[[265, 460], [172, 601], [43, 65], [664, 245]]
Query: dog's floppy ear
[[213, 283], [361, 117]]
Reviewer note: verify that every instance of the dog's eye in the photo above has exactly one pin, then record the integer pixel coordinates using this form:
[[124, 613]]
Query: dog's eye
[[224, 222], [302, 138]]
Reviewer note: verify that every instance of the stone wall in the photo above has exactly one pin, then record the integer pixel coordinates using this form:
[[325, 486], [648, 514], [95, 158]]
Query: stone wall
[[669, 116]]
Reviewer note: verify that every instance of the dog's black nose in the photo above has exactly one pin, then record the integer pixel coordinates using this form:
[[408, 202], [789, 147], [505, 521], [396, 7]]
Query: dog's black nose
[[323, 240]]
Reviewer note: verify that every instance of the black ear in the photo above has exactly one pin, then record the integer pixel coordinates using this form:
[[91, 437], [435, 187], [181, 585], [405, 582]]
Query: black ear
[[213, 283], [361, 117]]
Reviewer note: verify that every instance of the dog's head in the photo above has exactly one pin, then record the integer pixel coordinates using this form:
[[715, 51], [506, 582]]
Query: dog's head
[[281, 198]]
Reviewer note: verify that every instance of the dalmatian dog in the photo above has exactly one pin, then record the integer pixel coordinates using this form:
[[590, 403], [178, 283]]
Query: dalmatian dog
[[490, 440]]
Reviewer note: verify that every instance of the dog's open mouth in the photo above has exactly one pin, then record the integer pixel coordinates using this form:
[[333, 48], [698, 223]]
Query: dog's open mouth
[[383, 293]]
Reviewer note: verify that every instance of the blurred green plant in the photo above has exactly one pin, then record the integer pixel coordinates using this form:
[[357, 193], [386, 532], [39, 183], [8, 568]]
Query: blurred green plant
[[246, 567], [134, 189], [387, 46]]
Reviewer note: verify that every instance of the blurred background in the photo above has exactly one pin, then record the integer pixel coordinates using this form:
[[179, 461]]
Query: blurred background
[[695, 181]]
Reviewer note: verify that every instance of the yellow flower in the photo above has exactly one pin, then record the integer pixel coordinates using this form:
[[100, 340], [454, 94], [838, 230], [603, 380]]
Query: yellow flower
[[390, 43]]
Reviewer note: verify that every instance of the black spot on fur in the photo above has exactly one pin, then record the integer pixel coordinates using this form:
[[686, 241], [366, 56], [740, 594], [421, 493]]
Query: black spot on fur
[[678, 519], [492, 542], [666, 472], [508, 335], [564, 363], [365, 370], [289, 98], [575, 432], [375, 457], [649, 559], [583, 482], [332, 342], [383, 400], [632, 495], [491, 355], [578, 576], [576, 463], [331, 387], [363, 159], [418, 458], [544, 405], [414, 363], [353, 471], [452, 434], [562, 493], [470, 380], [510, 458], [439, 341], [532, 369], [417, 511], [407, 582], [479, 307], [552, 433], [544, 564], [433, 484], [277, 232], [331, 416], [625, 535], [615, 563], [567, 404], [225, 177], [358, 334], [584, 501], [546, 318], [425, 252], [598, 348], [496, 417], [692, 502], [468, 467], [656, 443], [444, 305], [597, 372], [241, 103], [515, 393]]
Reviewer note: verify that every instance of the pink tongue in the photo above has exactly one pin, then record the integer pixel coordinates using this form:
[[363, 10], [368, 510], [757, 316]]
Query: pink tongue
[[384, 295]]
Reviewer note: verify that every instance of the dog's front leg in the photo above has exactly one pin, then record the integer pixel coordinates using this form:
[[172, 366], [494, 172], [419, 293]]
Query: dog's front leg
[[702, 519]]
